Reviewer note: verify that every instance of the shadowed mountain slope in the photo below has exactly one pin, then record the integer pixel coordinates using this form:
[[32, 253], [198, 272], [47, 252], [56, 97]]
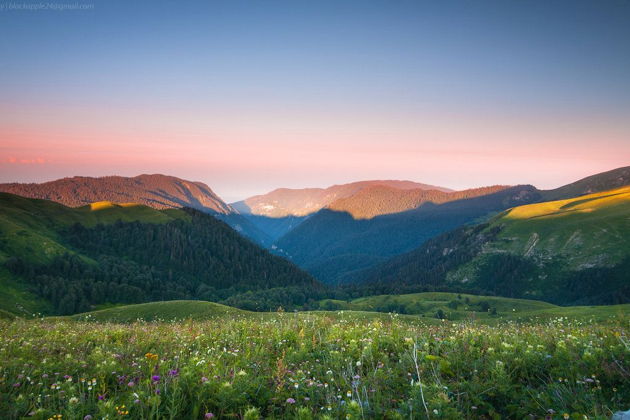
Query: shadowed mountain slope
[[332, 245], [382, 199], [573, 251], [284, 202]]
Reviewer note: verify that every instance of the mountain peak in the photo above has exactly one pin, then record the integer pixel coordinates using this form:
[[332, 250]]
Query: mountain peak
[[283, 202], [154, 190], [591, 184]]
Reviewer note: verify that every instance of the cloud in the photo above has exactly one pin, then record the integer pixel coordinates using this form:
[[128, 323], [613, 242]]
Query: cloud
[[21, 161]]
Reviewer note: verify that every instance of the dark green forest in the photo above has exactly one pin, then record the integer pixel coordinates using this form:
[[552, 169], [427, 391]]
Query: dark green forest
[[133, 262]]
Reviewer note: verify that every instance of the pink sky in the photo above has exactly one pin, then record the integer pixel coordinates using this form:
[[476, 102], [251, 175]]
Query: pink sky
[[242, 154]]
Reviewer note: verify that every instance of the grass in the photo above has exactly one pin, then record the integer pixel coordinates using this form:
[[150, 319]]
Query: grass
[[160, 311], [589, 230], [455, 306], [405, 308], [15, 298], [458, 307], [312, 365]]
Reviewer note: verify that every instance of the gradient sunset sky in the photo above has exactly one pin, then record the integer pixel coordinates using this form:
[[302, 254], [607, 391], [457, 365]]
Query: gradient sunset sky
[[250, 96]]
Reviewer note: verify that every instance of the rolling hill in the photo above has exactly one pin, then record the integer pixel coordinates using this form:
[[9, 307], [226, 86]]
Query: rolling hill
[[572, 251], [161, 311], [424, 307], [58, 259]]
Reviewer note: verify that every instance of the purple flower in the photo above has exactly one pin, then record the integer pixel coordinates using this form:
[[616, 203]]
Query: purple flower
[[101, 397], [136, 401], [157, 391], [16, 385], [204, 379], [131, 383], [290, 401], [208, 416], [87, 417], [155, 378], [173, 372]]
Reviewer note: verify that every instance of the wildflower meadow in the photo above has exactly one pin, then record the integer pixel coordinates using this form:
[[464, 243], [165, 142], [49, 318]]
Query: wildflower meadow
[[313, 366]]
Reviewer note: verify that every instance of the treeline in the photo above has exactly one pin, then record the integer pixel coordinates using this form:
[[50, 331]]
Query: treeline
[[133, 262]]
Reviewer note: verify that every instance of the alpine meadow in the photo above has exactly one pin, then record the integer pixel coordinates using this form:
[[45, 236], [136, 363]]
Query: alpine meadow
[[315, 210]]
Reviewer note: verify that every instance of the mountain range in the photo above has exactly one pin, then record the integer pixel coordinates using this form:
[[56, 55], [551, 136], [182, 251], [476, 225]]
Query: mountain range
[[106, 240], [283, 202]]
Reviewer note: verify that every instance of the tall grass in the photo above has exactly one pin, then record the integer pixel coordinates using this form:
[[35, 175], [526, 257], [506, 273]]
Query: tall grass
[[312, 366]]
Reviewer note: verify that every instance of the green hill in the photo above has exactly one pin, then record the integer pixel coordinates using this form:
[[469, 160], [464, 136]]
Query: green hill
[[56, 259], [162, 311], [414, 307], [453, 306], [485, 309], [573, 251]]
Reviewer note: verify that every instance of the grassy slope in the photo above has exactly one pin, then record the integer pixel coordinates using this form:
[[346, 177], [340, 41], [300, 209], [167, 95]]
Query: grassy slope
[[427, 304], [592, 229], [518, 310], [586, 231], [165, 311]]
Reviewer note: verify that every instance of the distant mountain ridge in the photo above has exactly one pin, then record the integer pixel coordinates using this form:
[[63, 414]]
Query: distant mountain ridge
[[379, 200], [334, 244], [156, 191], [283, 202]]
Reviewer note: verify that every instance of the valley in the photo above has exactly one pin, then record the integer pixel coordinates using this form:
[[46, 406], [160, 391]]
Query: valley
[[365, 300]]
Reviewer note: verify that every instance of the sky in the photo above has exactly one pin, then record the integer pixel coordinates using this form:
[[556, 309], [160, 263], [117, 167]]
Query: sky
[[251, 96]]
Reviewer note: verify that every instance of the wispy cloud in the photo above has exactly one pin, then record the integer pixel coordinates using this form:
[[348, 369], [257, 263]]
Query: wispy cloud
[[22, 161]]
